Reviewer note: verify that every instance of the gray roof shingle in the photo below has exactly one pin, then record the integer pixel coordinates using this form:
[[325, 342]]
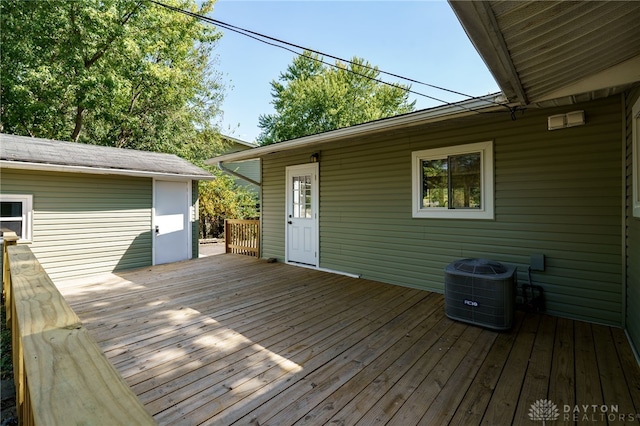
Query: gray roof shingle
[[72, 156]]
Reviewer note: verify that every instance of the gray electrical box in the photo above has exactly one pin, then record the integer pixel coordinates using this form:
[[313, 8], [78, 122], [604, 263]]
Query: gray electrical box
[[537, 262]]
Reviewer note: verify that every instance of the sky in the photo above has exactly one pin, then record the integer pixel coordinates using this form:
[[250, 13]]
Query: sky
[[421, 40]]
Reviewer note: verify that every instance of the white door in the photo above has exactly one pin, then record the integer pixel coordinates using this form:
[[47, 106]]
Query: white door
[[171, 233], [302, 214]]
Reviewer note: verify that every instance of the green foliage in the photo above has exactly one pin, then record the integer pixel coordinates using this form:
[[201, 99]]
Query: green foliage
[[6, 365], [221, 199], [122, 73], [311, 98]]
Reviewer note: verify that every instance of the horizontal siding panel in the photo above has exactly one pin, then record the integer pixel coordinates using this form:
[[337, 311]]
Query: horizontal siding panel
[[556, 193], [86, 224], [542, 237], [92, 246]]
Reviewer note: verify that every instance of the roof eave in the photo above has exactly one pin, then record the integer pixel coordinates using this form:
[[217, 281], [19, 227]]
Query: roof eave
[[239, 141], [446, 112], [22, 165], [479, 22]]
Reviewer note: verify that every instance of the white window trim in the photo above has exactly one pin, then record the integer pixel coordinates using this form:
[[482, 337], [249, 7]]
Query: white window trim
[[635, 153], [27, 213], [486, 175]]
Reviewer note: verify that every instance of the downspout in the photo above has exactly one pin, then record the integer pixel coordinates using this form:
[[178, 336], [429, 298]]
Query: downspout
[[238, 175]]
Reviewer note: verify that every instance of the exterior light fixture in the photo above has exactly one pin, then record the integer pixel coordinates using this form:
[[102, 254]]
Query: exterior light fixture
[[314, 157]]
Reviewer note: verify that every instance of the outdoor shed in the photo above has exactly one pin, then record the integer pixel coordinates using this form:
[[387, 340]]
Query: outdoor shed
[[87, 209], [544, 174]]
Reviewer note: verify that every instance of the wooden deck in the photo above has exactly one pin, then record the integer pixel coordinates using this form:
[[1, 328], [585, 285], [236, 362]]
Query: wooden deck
[[235, 340]]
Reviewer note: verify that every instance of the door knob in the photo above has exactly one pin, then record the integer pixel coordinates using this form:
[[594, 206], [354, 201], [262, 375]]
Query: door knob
[[157, 229], [289, 222]]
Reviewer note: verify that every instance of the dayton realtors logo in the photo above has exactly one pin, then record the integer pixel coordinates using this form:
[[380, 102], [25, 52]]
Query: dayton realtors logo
[[545, 410]]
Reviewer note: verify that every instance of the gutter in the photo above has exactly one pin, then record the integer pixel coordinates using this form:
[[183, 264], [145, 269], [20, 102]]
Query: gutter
[[481, 26], [446, 112], [20, 165]]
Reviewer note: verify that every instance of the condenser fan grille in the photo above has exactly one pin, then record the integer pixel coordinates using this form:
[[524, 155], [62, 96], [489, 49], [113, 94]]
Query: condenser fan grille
[[480, 266]]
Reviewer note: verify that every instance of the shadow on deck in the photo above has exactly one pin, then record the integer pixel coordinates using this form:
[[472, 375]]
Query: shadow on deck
[[231, 339]]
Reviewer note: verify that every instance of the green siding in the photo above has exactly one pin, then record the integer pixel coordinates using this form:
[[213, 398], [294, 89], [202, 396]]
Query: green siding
[[632, 237], [86, 224], [556, 192], [249, 169], [273, 204]]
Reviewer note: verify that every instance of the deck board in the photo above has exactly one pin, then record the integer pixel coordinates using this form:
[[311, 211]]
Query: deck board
[[562, 377], [236, 340]]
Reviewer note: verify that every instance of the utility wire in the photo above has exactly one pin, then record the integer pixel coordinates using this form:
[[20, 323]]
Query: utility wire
[[261, 38]]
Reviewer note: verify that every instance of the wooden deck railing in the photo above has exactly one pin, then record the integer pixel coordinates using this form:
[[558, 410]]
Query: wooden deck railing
[[242, 236], [61, 375]]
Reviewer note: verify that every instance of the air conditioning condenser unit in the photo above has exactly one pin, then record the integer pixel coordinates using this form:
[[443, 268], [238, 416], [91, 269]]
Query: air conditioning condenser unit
[[481, 292]]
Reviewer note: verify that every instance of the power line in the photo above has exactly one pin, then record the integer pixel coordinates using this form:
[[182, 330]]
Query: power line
[[283, 45]]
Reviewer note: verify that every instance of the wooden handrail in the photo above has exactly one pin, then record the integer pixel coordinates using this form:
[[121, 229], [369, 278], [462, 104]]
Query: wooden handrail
[[242, 236], [62, 377], [9, 238]]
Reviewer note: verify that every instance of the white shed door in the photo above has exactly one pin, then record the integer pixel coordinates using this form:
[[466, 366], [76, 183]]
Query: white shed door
[[302, 214], [171, 233]]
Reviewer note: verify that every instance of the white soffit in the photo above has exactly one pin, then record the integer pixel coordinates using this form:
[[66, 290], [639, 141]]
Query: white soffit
[[538, 50]]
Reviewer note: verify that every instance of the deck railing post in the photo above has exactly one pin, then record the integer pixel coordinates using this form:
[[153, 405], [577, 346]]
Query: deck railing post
[[242, 236], [55, 360], [9, 238]]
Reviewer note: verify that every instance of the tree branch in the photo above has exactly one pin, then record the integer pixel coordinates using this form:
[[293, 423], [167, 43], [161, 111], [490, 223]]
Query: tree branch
[[105, 47], [76, 131]]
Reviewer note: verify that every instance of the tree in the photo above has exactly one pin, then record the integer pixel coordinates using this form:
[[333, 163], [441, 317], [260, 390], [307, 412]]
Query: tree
[[122, 73], [221, 199], [311, 98]]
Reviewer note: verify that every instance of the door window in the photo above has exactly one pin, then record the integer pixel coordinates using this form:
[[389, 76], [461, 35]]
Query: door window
[[301, 196]]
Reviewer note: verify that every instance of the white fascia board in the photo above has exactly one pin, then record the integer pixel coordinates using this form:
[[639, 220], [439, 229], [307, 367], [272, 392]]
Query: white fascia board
[[446, 112], [20, 165], [239, 141]]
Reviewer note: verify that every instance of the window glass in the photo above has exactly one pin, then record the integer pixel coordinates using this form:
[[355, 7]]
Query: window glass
[[435, 183], [11, 216], [15, 214], [301, 196], [465, 181], [12, 225], [454, 182], [10, 209]]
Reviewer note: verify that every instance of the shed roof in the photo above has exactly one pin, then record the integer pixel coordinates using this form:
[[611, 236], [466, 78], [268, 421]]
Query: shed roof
[[23, 152]]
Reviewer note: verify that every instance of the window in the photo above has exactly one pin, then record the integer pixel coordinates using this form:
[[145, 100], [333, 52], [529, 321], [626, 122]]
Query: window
[[15, 214], [301, 196], [635, 152], [454, 182]]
